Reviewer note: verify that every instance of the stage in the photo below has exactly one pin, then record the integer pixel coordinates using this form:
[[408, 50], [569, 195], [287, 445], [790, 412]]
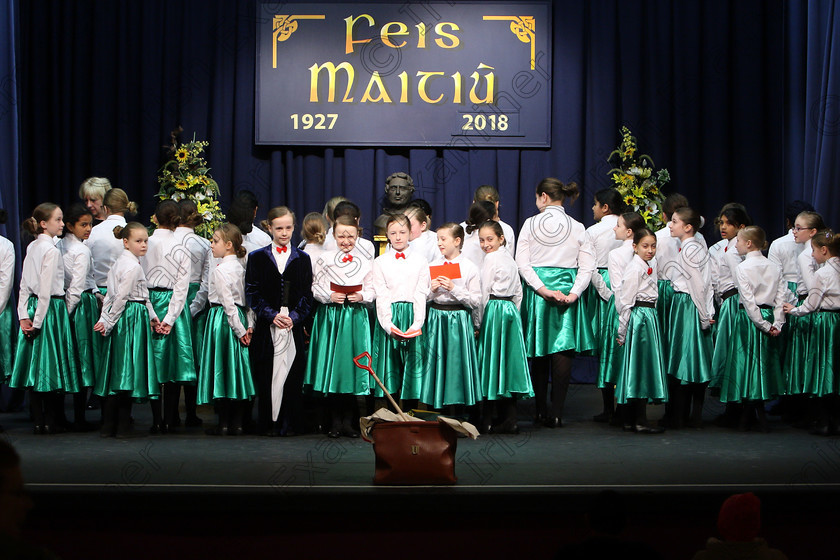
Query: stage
[[528, 490]]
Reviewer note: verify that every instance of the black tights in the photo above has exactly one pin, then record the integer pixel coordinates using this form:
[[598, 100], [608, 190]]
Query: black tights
[[560, 365]]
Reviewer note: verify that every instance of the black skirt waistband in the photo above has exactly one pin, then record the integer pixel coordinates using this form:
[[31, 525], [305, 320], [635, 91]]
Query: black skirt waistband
[[157, 289], [728, 293], [762, 306], [447, 306], [506, 298], [143, 301], [650, 304], [830, 310]]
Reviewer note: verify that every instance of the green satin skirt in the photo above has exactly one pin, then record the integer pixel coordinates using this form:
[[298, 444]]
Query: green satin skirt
[[723, 334], [7, 341], [610, 362], [224, 368], [821, 373], [395, 359], [663, 311], [127, 362], [799, 354], [48, 361], [89, 344], [690, 352], [502, 360], [596, 310], [340, 332], [753, 366], [548, 327], [450, 361], [198, 323], [173, 353], [643, 374]]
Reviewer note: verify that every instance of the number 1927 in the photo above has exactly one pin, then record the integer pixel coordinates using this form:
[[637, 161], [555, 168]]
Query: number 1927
[[317, 121]]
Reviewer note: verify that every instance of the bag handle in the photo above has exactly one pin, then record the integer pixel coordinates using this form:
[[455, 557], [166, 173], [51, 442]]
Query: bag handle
[[367, 367]]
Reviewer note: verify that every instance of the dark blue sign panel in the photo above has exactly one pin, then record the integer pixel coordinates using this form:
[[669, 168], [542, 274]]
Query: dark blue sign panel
[[458, 74]]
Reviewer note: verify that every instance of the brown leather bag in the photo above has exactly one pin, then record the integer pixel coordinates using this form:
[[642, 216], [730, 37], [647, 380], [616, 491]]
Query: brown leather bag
[[414, 453]]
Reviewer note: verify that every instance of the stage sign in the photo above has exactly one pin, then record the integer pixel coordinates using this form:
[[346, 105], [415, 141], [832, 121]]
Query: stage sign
[[457, 74]]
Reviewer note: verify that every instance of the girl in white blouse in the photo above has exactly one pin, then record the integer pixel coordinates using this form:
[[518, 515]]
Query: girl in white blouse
[[421, 240], [400, 283], [448, 340], [556, 262], [753, 364], [128, 366], [314, 233], [343, 285], [104, 248], [606, 210], [224, 369], [798, 333], [7, 320], [691, 314], [821, 373], [45, 360], [200, 257], [167, 268], [82, 305], [643, 375], [479, 213], [501, 347], [610, 361]]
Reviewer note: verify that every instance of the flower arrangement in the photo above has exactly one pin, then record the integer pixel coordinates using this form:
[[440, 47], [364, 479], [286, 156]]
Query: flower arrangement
[[186, 175], [637, 181]]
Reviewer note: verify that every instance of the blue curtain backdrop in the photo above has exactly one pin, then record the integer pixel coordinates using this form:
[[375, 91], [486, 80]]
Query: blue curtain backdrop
[[9, 138], [737, 98]]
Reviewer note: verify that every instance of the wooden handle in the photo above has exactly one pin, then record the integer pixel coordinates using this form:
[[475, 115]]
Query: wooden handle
[[369, 369]]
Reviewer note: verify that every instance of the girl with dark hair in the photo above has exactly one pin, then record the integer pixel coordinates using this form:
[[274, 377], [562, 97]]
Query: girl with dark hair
[[556, 262], [479, 213], [128, 371], [167, 268], [45, 360], [242, 213], [82, 305], [502, 358]]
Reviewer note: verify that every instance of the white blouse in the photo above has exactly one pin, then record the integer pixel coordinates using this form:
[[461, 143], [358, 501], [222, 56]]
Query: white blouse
[[126, 282], [723, 267], [807, 267], [343, 269], [400, 279], [466, 290], [7, 271], [78, 270], [256, 238], [760, 283], [314, 251], [42, 276], [104, 247], [426, 245], [617, 262], [167, 265], [227, 288], [638, 284], [692, 275], [200, 260], [475, 254], [825, 293], [500, 277], [602, 238], [554, 239], [784, 251]]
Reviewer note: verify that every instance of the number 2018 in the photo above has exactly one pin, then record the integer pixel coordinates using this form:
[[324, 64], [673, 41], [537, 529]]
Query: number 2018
[[479, 122], [316, 121]]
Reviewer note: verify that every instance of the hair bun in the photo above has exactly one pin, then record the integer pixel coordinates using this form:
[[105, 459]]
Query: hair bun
[[118, 232]]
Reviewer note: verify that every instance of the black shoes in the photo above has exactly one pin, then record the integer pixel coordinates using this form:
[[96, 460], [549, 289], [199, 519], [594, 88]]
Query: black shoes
[[554, 422]]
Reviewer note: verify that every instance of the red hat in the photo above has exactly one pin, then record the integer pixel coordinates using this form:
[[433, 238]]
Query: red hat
[[740, 517]]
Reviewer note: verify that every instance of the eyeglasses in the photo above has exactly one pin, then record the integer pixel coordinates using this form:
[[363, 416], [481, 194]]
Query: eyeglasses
[[798, 228]]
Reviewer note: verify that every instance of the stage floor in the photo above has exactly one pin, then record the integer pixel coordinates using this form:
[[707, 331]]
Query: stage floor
[[541, 477]]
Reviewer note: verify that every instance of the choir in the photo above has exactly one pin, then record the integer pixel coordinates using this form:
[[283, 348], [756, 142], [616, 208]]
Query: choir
[[456, 319]]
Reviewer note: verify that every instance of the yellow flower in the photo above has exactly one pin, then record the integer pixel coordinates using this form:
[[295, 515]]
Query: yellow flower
[[181, 155], [629, 151], [204, 180], [637, 191], [181, 185], [630, 200]]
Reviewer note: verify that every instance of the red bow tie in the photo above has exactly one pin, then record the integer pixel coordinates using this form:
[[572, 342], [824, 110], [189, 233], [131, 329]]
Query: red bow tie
[[347, 258], [445, 262], [400, 256], [282, 249], [650, 271], [725, 249], [679, 250]]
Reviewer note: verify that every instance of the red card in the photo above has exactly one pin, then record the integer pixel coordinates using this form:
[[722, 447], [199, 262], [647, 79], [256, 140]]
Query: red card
[[345, 289], [451, 271]]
